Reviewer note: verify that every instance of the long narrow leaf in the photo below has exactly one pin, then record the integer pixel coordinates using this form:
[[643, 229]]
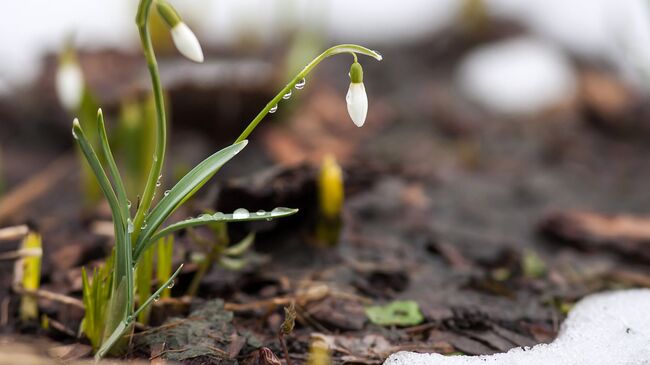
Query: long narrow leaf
[[112, 166], [221, 217], [187, 185], [100, 174], [156, 294]]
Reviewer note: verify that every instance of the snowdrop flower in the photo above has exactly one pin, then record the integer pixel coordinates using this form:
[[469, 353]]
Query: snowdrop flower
[[356, 98], [69, 83], [184, 39]]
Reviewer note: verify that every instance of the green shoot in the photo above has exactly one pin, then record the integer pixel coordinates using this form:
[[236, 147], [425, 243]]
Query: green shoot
[[96, 295], [144, 274], [30, 264], [164, 265], [110, 298], [219, 251]]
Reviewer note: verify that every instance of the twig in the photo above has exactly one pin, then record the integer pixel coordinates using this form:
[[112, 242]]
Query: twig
[[13, 232], [46, 294], [35, 186], [284, 347]]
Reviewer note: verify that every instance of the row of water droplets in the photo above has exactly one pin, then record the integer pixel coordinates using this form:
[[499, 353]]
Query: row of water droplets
[[243, 213], [299, 86]]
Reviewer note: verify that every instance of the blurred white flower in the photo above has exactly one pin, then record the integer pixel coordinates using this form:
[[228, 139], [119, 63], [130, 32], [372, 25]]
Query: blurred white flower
[[69, 85], [357, 101], [186, 42]]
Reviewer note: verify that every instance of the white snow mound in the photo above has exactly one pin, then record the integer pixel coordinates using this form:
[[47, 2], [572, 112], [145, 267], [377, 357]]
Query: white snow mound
[[611, 328], [517, 76]]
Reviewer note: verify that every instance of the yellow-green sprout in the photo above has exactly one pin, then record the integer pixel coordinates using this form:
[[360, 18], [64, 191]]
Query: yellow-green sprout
[[30, 265]]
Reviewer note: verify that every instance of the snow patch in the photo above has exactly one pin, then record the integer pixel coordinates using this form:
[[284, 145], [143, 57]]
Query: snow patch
[[517, 76], [611, 328]]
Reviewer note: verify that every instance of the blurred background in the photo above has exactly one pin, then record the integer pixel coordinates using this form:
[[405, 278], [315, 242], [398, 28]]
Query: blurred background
[[497, 129]]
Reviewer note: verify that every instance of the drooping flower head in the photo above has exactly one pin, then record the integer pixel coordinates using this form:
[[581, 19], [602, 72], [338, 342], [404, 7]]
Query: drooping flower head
[[69, 80], [184, 39], [356, 99]]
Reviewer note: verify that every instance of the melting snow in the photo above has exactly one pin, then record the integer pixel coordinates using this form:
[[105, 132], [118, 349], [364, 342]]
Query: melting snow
[[611, 328], [517, 76]]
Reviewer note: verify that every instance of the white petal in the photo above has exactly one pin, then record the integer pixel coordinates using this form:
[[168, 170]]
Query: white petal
[[357, 101], [69, 85], [186, 42]]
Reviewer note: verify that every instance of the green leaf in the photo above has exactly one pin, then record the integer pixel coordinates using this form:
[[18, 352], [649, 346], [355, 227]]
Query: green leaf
[[240, 247], [187, 185], [112, 166], [144, 275], [397, 313], [234, 264], [100, 174], [164, 267], [222, 217]]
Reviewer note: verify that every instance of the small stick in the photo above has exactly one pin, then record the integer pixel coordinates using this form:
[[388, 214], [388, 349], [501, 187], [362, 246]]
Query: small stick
[[46, 294], [286, 328], [13, 232]]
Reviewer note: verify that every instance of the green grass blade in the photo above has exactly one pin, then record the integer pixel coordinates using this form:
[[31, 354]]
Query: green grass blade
[[112, 166], [186, 186], [144, 275], [100, 174], [164, 263], [221, 217], [156, 294]]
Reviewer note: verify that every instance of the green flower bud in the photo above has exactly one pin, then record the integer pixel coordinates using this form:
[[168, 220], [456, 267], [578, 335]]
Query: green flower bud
[[168, 13], [356, 73]]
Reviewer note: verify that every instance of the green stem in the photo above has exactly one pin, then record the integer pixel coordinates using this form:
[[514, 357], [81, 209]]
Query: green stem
[[341, 48], [142, 20]]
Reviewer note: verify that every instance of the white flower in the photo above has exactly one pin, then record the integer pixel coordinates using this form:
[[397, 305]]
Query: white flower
[[357, 101], [186, 42], [69, 85]]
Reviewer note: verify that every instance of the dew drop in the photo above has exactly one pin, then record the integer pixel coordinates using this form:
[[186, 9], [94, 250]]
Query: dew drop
[[170, 285], [218, 215], [240, 213], [158, 183], [273, 109], [279, 211], [167, 192], [128, 204], [300, 84], [205, 216], [287, 95], [155, 158], [260, 212], [129, 225], [144, 226], [156, 298], [74, 134]]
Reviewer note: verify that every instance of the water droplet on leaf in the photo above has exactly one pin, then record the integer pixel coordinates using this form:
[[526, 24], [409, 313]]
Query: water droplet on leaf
[[273, 109], [167, 192], [260, 212], [241, 213], [301, 84], [287, 95]]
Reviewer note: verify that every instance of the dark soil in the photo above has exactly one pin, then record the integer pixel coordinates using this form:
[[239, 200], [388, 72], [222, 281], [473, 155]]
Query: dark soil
[[446, 204]]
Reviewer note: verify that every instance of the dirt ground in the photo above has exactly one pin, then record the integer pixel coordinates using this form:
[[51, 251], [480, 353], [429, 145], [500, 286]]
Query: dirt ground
[[494, 225]]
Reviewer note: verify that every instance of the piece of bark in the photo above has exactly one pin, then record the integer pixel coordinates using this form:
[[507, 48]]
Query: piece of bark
[[628, 235]]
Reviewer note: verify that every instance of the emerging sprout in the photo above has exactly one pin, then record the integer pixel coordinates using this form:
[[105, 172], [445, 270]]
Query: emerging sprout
[[69, 81], [184, 39], [330, 188], [356, 98]]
